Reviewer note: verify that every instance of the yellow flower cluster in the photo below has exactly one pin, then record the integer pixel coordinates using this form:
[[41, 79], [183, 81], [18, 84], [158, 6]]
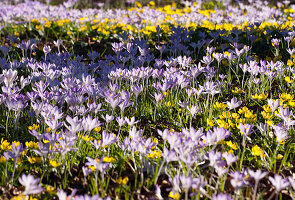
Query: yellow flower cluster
[[154, 154], [259, 97], [122, 181], [257, 151], [231, 120]]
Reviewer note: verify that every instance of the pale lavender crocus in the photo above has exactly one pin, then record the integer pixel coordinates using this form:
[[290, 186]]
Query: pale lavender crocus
[[32, 185]]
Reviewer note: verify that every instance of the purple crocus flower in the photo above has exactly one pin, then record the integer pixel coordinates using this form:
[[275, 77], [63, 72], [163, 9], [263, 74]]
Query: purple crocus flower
[[281, 132], [246, 128], [121, 121], [98, 164], [158, 97], [221, 197], [63, 195], [75, 124], [237, 180], [108, 139], [230, 158], [279, 182], [169, 155], [32, 185], [46, 50], [15, 153], [136, 89], [276, 42], [132, 121], [9, 77], [233, 103], [258, 175], [273, 104], [108, 118]]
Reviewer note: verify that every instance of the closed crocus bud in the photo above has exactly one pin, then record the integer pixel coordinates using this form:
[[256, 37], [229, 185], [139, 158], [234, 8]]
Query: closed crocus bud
[[46, 50]]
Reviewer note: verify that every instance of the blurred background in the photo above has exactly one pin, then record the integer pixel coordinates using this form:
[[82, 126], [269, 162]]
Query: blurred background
[[127, 3]]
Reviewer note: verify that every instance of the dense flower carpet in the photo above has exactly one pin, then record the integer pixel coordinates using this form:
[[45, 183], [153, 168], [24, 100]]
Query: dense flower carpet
[[188, 100]]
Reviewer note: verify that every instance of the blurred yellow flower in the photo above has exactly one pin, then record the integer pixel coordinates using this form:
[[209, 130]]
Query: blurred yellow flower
[[257, 151], [288, 79], [173, 195], [97, 129], [231, 145], [210, 122], [54, 163], [237, 90], [2, 159], [5, 145], [108, 159], [34, 160], [33, 127], [154, 154], [49, 189], [122, 181]]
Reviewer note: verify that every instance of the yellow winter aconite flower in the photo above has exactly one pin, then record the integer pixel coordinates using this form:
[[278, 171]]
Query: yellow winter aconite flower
[[279, 156], [39, 27], [108, 159], [168, 104], [35, 21], [224, 115], [34, 160], [48, 24], [266, 115], [92, 168], [152, 3], [122, 181], [285, 96], [259, 97], [210, 122], [60, 22], [220, 105], [16, 143], [83, 28], [223, 124], [49, 189], [54, 163], [257, 151], [237, 90], [243, 110], [97, 129], [290, 63], [87, 138], [23, 197], [154, 154], [235, 115], [268, 122], [173, 195], [288, 79], [230, 122], [33, 127], [2, 159], [5, 145], [291, 103], [19, 161], [267, 108], [231, 145], [138, 4]]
